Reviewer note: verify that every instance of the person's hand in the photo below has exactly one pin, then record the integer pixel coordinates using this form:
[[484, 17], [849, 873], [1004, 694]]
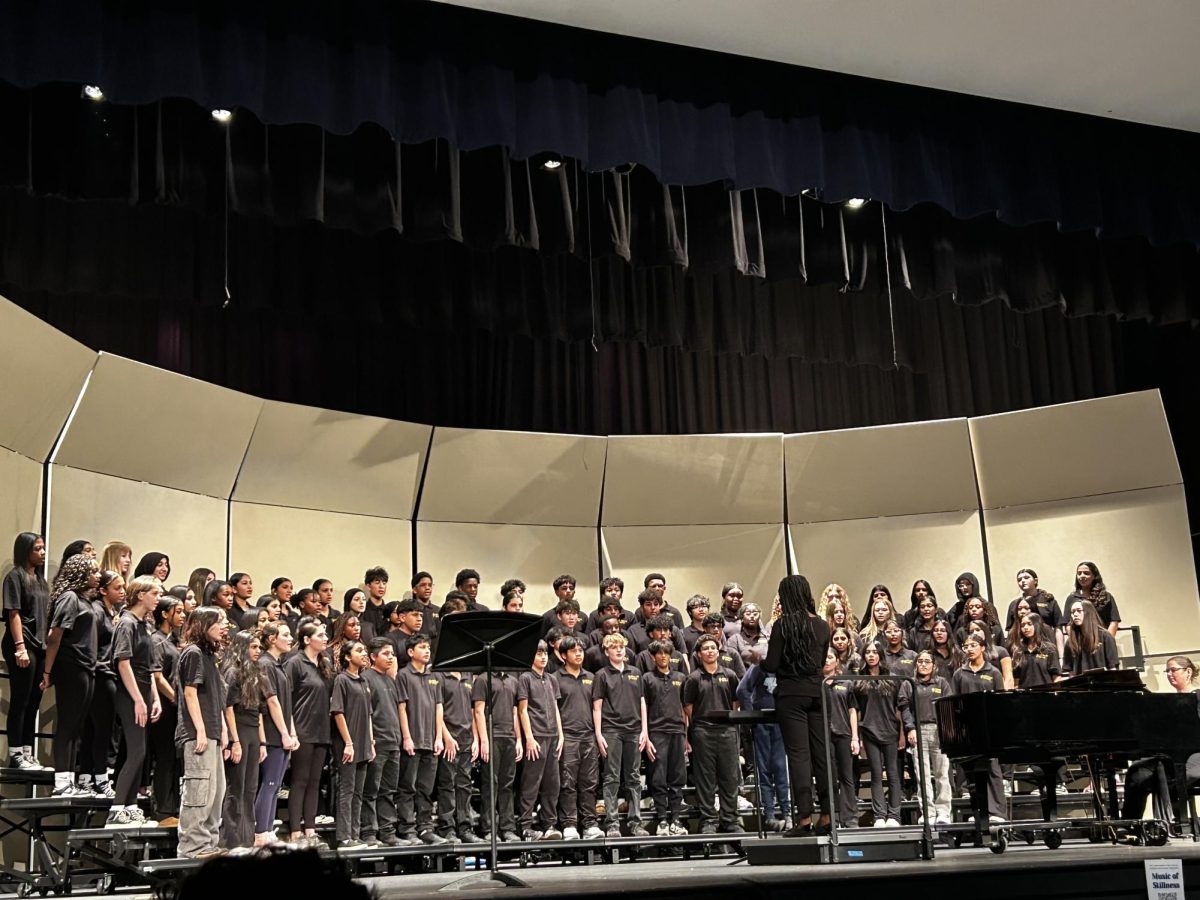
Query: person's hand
[[201, 740], [643, 740], [855, 746], [651, 753], [439, 746], [602, 746], [235, 752], [474, 749], [155, 710], [409, 747], [139, 713], [912, 737], [687, 746], [533, 749], [900, 743], [22, 658], [348, 753], [293, 743], [520, 750], [45, 685], [484, 751], [558, 750], [450, 749], [262, 753]]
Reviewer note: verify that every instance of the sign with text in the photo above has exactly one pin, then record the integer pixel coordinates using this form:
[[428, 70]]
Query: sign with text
[[1164, 879]]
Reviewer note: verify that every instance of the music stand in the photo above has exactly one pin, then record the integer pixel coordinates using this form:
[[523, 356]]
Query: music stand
[[487, 642]]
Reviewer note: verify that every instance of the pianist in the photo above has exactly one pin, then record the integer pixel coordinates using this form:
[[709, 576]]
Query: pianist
[[1141, 777]]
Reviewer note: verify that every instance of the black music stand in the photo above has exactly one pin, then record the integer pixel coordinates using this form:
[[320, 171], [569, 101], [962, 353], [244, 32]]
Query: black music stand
[[487, 642]]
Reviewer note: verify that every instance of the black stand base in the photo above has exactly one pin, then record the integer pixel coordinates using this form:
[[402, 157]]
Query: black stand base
[[482, 881]]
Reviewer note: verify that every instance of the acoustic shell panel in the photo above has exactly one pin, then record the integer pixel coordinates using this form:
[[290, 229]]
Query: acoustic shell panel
[[303, 544], [146, 424], [1140, 541], [893, 470], [731, 479], [536, 554], [189, 528], [301, 456], [1080, 449], [697, 559], [513, 477], [892, 550], [42, 370], [20, 500]]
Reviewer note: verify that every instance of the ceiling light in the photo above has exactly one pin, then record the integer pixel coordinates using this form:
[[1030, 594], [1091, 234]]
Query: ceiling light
[[93, 92], [223, 116], [855, 203], [552, 164]]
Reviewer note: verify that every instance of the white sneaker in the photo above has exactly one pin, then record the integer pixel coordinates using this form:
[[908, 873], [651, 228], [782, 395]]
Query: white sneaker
[[881, 823], [570, 833], [138, 818], [677, 829], [893, 823], [593, 833], [663, 829], [744, 805], [324, 820]]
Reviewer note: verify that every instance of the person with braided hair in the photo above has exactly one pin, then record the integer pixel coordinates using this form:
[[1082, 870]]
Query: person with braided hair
[[796, 656]]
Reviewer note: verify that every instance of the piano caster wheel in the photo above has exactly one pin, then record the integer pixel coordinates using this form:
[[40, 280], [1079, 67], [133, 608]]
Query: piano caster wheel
[[1052, 839], [1154, 834], [1029, 839], [999, 844]]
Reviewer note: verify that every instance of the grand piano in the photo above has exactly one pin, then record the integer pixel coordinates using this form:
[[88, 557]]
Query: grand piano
[[1107, 718]]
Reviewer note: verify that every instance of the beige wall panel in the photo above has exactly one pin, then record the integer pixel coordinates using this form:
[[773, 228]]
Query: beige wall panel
[[1139, 539], [304, 545], [894, 470], [20, 500], [190, 528], [536, 554], [697, 559], [42, 370], [1098, 446], [694, 480], [189, 435], [513, 477], [895, 551], [301, 456]]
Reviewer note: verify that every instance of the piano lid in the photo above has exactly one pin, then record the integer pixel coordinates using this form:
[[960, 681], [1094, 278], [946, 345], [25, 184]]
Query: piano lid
[[1097, 680]]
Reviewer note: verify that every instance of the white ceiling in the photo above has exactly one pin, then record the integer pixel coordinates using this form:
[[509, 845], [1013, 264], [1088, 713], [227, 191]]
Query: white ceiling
[[1137, 60]]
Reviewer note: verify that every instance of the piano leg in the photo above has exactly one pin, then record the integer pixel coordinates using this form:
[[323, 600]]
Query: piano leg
[[1182, 798], [1048, 786], [981, 776], [1110, 782]]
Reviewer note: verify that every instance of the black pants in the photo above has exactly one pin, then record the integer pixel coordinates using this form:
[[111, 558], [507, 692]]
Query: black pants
[[351, 779], [25, 693], [504, 754], [847, 781], [883, 757], [378, 817], [72, 695], [241, 788], [540, 786], [579, 779], [414, 793], [135, 746], [307, 763], [1142, 779], [167, 766], [97, 740], [454, 791], [803, 725], [715, 773], [666, 775]]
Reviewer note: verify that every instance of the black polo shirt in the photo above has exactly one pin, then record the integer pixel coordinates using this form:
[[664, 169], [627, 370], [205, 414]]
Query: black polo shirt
[[199, 670], [77, 619], [639, 637], [106, 627], [431, 620], [842, 699], [645, 662], [456, 706], [708, 692], [725, 660], [595, 659], [275, 683], [352, 698], [504, 692], [168, 655], [621, 693], [935, 688], [245, 704], [1038, 667], [374, 615], [310, 699], [420, 694], [902, 663], [575, 703], [132, 641], [385, 712], [877, 710], [540, 693], [664, 702], [964, 681], [691, 634], [30, 597]]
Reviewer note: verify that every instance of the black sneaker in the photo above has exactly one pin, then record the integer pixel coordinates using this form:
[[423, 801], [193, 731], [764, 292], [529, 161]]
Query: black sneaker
[[390, 840], [467, 836], [430, 837]]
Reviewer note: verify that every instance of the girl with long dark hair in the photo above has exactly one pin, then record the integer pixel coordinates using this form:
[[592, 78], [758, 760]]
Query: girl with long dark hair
[[154, 565], [843, 727], [841, 642], [244, 702], [311, 675], [26, 611], [1089, 585], [168, 627], [137, 700], [1040, 602], [920, 592], [279, 728], [355, 601], [243, 591], [71, 664], [946, 655], [201, 733], [796, 656], [355, 741], [879, 727], [94, 756], [1088, 645], [1035, 659]]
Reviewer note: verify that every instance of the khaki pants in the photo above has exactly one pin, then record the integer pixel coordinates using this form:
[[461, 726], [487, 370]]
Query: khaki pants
[[203, 794]]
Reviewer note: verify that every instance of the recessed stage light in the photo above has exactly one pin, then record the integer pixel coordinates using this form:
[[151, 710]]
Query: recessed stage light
[[855, 203], [552, 164], [93, 92], [223, 116]]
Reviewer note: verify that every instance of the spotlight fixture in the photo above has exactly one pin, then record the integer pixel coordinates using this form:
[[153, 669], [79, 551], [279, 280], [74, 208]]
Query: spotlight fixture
[[93, 92], [223, 116], [552, 164], [855, 203]]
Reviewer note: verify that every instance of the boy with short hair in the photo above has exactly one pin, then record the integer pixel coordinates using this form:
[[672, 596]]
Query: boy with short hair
[[714, 627], [619, 719], [595, 657], [421, 728], [505, 743], [579, 763], [659, 629], [422, 591], [383, 772], [666, 749], [611, 592], [376, 581], [710, 688], [537, 708], [698, 607], [461, 750]]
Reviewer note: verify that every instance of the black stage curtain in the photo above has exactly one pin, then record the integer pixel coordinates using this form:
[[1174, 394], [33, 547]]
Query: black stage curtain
[[422, 71]]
